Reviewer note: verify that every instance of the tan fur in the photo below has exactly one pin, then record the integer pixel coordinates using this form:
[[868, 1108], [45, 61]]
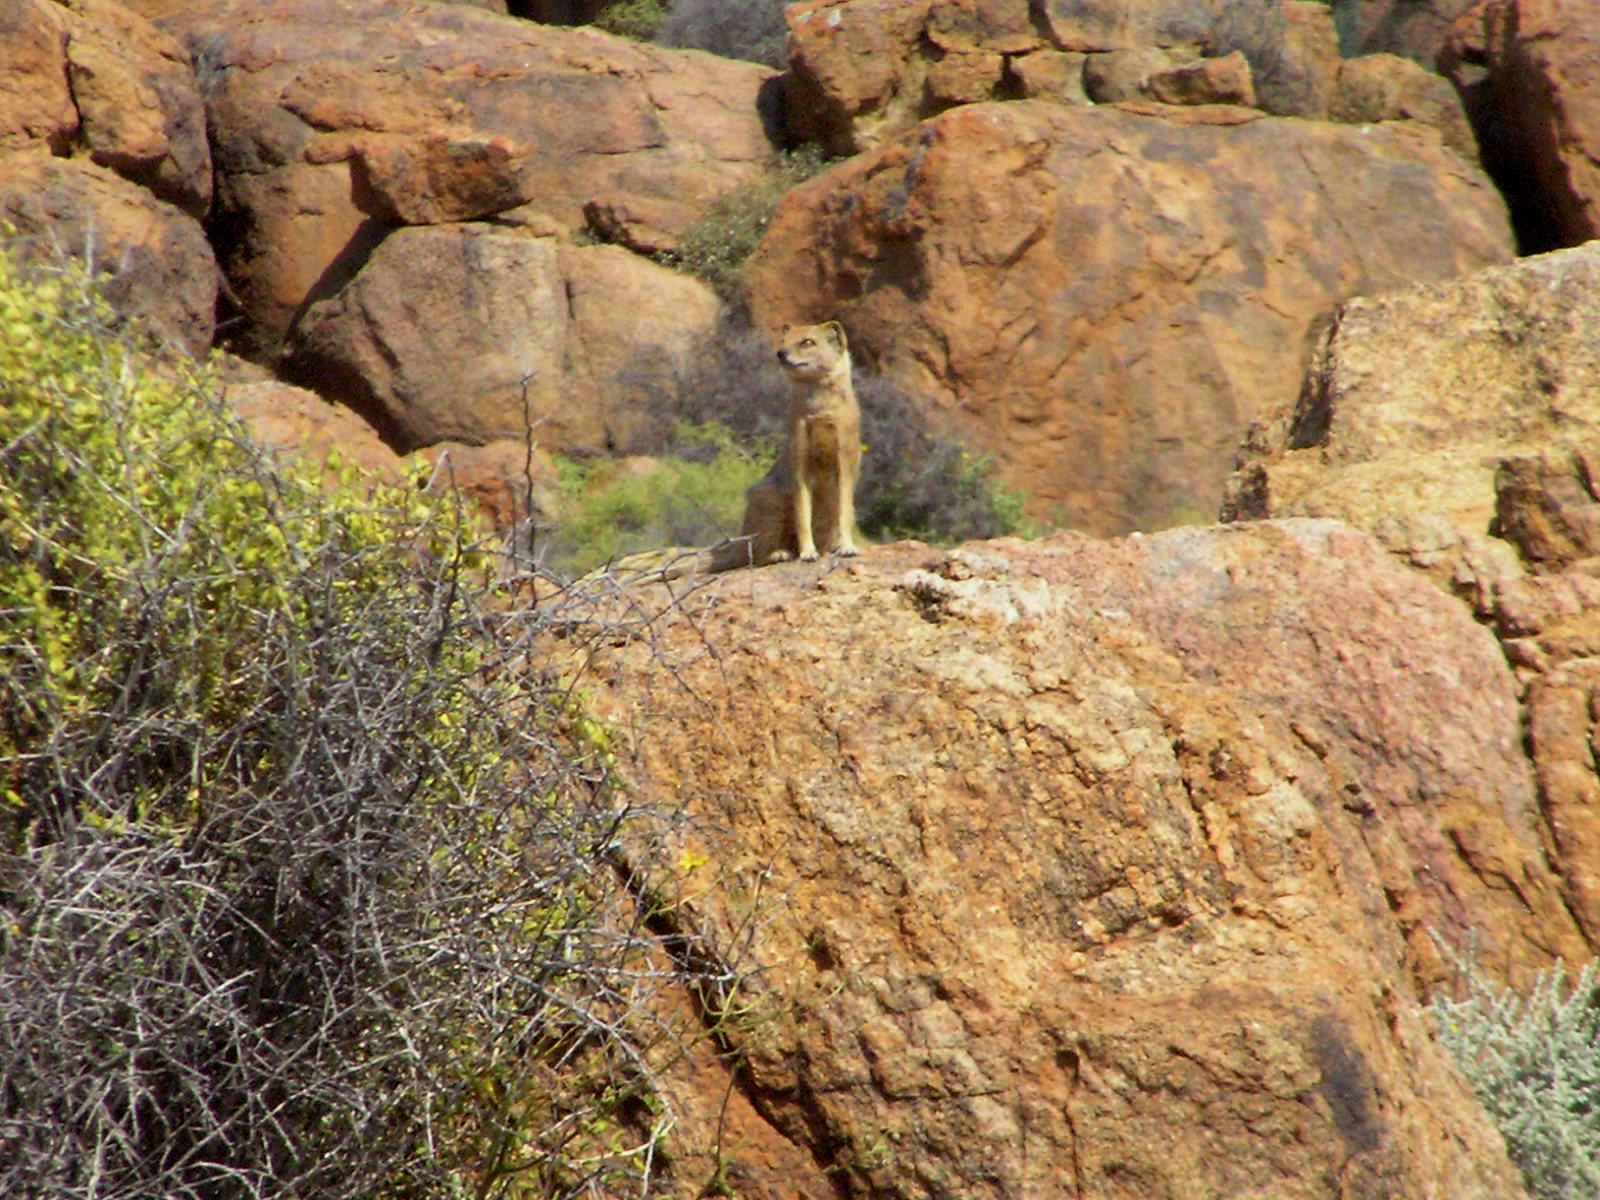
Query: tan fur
[[806, 505]]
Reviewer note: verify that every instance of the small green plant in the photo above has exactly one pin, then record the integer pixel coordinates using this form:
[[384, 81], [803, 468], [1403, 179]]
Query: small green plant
[[716, 247], [1534, 1062], [693, 495], [637, 19]]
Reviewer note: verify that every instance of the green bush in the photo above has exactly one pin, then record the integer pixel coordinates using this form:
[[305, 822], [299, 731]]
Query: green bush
[[691, 496], [716, 246], [300, 886], [1534, 1062], [638, 19]]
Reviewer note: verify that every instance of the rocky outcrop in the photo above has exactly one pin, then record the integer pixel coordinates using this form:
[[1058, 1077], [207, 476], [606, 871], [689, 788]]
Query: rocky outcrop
[[1530, 70], [1104, 299], [335, 120], [157, 263], [473, 332], [863, 71], [92, 74], [1093, 868], [1420, 411]]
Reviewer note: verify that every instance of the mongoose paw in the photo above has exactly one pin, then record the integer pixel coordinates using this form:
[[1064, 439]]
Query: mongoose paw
[[809, 556], [778, 556], [848, 551]]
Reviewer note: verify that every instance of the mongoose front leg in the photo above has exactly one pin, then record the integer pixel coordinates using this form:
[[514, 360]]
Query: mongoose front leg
[[802, 521]]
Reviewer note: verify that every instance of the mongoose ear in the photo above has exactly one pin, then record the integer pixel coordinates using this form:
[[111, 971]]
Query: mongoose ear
[[836, 331]]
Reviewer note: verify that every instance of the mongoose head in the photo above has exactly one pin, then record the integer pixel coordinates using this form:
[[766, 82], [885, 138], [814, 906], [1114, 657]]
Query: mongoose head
[[810, 352]]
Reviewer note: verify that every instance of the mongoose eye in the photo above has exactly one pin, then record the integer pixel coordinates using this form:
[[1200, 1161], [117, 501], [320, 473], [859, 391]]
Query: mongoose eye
[[804, 342]]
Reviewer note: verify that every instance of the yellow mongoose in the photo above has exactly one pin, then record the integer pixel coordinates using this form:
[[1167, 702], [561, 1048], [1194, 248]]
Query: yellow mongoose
[[806, 505]]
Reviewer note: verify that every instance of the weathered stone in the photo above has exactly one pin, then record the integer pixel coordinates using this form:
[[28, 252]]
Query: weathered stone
[[1123, 74], [1564, 739], [138, 102], [335, 120], [863, 71], [1115, 861], [1419, 397], [158, 264], [1385, 87], [1104, 300], [1049, 75], [1548, 506], [1224, 80], [91, 73], [516, 333], [35, 98], [1531, 72]]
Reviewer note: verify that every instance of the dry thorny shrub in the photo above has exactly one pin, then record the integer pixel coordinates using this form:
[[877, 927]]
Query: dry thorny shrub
[[310, 877]]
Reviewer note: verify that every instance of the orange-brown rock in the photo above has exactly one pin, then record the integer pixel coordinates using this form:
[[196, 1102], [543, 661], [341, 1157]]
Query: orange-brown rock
[[334, 120], [1564, 739], [157, 263], [1531, 70], [1094, 869], [473, 332], [35, 98], [1104, 300], [1418, 401], [91, 73], [1386, 87], [862, 71]]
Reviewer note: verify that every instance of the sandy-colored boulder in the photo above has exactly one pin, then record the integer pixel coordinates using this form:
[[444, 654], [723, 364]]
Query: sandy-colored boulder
[[472, 332], [1104, 300], [1386, 87], [1418, 401], [158, 264], [93, 73], [335, 120], [1530, 70], [1221, 80], [1094, 869]]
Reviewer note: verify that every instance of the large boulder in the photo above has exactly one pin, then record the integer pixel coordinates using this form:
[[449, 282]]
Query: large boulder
[[474, 332], [91, 73], [1531, 72], [156, 260], [1104, 299], [336, 120], [1092, 869], [861, 71], [1421, 410]]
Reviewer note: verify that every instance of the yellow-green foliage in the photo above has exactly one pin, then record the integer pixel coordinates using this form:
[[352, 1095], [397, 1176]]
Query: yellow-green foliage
[[692, 500], [716, 246], [133, 503], [299, 881]]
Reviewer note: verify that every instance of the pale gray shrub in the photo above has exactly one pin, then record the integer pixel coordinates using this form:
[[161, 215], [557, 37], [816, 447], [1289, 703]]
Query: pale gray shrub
[[1534, 1062]]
